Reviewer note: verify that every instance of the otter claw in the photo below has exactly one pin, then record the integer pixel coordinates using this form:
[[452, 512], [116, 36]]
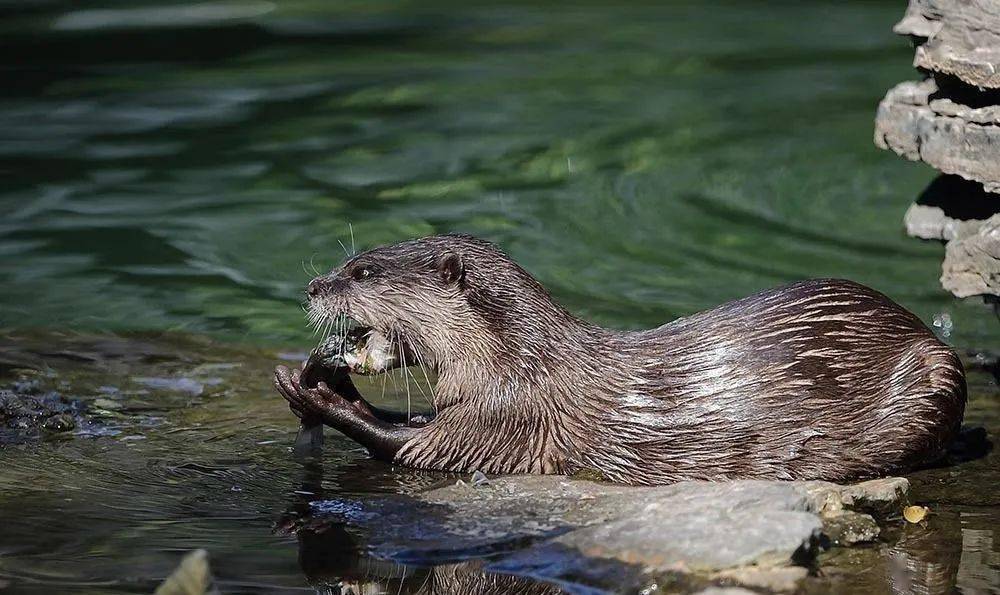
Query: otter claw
[[289, 388]]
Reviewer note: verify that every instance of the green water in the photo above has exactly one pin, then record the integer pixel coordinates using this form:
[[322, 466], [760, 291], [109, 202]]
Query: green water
[[170, 180]]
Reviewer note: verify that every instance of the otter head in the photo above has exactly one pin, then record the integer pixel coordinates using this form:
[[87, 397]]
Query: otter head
[[397, 305], [451, 299]]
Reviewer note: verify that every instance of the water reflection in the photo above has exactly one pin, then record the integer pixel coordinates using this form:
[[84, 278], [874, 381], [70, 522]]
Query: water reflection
[[955, 550], [925, 559], [980, 566], [333, 555]]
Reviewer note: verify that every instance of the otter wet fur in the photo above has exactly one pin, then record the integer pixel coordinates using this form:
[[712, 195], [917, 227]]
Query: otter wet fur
[[821, 379]]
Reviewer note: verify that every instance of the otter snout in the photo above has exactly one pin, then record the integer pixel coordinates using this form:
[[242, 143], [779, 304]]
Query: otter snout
[[318, 286]]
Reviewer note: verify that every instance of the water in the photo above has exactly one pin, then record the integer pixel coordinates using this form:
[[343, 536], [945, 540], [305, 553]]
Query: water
[[173, 176]]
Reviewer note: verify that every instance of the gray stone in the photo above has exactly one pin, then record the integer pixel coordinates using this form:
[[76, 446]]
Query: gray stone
[[932, 223], [962, 38], [972, 262], [753, 533], [879, 496], [948, 136], [700, 526], [960, 212], [848, 528], [25, 411], [951, 121], [714, 537]]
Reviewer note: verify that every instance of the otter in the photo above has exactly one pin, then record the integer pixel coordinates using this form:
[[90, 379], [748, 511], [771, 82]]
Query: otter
[[823, 379]]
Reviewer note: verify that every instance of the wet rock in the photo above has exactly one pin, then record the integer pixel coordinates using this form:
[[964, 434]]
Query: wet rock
[[848, 528], [25, 412], [61, 422], [706, 527], [725, 591], [180, 385], [769, 579], [879, 496], [568, 531]]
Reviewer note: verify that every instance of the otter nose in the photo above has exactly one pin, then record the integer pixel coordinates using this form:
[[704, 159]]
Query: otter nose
[[316, 286]]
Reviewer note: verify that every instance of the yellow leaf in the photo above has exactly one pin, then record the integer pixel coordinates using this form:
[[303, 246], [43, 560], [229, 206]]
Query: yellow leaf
[[915, 514]]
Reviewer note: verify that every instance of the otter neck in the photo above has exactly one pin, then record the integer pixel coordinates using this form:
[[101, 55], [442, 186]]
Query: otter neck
[[541, 355]]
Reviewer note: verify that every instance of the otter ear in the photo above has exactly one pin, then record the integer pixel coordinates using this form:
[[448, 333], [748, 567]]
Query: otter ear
[[451, 268]]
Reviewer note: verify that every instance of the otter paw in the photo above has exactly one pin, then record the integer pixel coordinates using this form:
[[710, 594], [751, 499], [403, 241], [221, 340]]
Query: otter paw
[[309, 402]]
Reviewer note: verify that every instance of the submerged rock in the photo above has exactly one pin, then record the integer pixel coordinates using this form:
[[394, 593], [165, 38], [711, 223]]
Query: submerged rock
[[192, 577], [26, 412], [769, 579]]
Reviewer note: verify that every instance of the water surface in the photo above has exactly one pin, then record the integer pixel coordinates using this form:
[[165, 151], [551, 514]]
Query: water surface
[[172, 177]]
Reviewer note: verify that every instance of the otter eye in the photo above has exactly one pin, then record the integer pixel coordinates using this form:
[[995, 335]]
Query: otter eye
[[363, 272]]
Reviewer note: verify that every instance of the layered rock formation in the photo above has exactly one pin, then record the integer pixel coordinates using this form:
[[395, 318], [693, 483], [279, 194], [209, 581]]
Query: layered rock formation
[[951, 121]]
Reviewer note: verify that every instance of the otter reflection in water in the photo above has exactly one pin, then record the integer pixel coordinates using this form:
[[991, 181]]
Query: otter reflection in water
[[333, 555], [821, 379]]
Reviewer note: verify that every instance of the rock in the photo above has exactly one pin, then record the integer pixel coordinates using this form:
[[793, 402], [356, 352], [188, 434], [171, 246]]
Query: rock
[[961, 38], [950, 207], [567, 531], [932, 223], [951, 121], [707, 527], [880, 497], [848, 528], [724, 591], [877, 496], [108, 404], [181, 385], [961, 213], [25, 411], [711, 540], [62, 422], [972, 262], [951, 137]]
